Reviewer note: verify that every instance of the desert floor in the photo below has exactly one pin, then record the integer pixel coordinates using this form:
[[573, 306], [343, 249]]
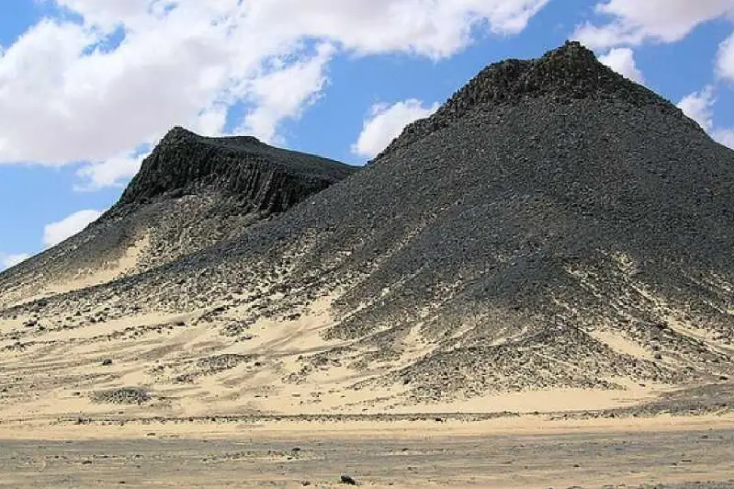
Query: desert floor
[[155, 400], [516, 451]]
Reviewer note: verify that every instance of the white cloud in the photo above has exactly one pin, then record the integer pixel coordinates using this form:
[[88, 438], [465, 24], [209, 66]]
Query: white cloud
[[699, 106], [92, 90], [386, 122], [57, 232], [284, 94], [622, 60], [110, 13], [637, 21], [8, 261], [725, 59], [109, 173], [724, 136], [427, 27], [211, 121]]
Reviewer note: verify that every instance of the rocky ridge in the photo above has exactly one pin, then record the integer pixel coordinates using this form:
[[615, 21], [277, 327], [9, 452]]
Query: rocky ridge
[[261, 177], [553, 226], [191, 193]]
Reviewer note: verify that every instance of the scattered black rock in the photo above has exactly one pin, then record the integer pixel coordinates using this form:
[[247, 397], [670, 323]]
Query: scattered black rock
[[123, 395], [223, 362], [348, 480]]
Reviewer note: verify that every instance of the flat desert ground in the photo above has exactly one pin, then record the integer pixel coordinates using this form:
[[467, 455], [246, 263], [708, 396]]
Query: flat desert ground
[[515, 451]]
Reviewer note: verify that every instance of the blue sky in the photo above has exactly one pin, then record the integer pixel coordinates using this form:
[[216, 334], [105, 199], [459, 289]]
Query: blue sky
[[86, 87]]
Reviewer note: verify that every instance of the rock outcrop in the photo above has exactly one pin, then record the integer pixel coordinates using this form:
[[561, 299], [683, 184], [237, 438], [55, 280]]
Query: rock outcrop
[[260, 177], [191, 193]]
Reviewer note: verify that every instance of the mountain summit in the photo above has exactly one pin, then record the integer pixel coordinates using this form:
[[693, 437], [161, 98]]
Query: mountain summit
[[191, 192], [268, 179], [552, 227], [570, 72]]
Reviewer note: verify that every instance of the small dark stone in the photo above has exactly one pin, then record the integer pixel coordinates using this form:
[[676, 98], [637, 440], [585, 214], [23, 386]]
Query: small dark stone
[[106, 362], [346, 479]]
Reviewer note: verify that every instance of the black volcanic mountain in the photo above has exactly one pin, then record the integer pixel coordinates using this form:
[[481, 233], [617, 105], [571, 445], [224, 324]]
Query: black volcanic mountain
[[190, 193], [553, 225]]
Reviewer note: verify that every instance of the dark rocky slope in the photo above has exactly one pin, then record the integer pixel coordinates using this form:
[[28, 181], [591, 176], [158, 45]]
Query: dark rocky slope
[[548, 205], [190, 193], [259, 177]]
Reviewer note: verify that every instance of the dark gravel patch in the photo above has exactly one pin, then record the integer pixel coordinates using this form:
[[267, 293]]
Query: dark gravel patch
[[123, 395]]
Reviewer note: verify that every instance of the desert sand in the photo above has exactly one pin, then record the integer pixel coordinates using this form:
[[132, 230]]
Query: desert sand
[[526, 451], [159, 400]]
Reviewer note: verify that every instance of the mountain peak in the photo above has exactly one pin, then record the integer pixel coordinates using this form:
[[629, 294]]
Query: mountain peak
[[240, 167], [179, 132], [562, 75], [571, 71], [572, 53], [181, 135]]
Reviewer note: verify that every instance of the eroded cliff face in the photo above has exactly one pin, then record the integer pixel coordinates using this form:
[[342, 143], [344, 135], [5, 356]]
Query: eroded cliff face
[[257, 176], [191, 193]]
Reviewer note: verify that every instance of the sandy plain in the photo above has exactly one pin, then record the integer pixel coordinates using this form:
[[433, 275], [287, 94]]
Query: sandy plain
[[516, 451]]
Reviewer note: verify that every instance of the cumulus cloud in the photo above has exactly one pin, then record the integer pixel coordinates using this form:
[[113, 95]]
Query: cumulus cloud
[[634, 22], [622, 60], [118, 74], [725, 59], [57, 232], [9, 261], [724, 136], [285, 93], [386, 122], [113, 172], [109, 173], [699, 106], [430, 28]]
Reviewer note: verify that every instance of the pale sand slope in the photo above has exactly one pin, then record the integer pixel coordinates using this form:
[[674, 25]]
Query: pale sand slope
[[82, 278], [190, 368], [127, 264]]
